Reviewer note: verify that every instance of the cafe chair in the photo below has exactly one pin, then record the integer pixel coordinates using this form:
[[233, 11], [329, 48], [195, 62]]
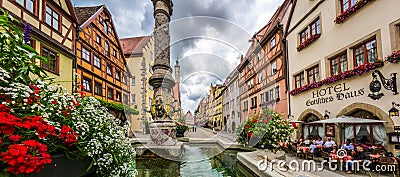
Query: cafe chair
[[310, 156], [363, 170], [299, 153], [388, 162]]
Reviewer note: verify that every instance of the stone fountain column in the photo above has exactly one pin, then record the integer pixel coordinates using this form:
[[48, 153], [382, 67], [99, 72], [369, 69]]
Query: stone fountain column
[[162, 129]]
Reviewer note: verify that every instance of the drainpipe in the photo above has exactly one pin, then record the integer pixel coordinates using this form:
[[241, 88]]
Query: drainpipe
[[285, 46]]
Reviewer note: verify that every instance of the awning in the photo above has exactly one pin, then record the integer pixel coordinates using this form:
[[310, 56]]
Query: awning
[[349, 120], [296, 121]]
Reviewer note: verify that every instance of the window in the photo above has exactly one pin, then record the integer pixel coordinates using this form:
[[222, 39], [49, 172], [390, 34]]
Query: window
[[98, 90], [346, 4], [118, 75], [258, 56], [118, 96], [107, 47], [124, 79], [271, 95], [133, 81], [313, 74], [85, 54], [245, 105], [338, 64], [105, 27], [52, 18], [277, 92], [315, 27], [28, 4], [260, 78], [126, 99], [299, 80], [52, 64], [109, 70], [248, 68], [273, 68], [254, 102], [87, 84], [133, 98], [114, 53], [98, 39], [97, 61], [262, 98], [272, 43], [110, 93], [304, 36], [365, 53]]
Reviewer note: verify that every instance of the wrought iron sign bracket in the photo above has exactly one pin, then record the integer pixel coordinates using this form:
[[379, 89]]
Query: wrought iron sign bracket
[[376, 85]]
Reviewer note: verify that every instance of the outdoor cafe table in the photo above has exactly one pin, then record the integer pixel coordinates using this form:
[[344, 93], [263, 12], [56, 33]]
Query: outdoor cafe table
[[307, 149], [345, 158], [304, 149]]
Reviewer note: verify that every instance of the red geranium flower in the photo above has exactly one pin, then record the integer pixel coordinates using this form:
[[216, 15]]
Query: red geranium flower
[[25, 158], [14, 138], [4, 108], [68, 135], [247, 126]]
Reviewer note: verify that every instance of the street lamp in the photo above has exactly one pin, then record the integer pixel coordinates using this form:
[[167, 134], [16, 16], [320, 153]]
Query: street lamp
[[394, 112], [327, 113]]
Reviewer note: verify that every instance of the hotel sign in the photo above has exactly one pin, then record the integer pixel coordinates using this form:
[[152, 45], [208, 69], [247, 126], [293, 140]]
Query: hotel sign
[[337, 92]]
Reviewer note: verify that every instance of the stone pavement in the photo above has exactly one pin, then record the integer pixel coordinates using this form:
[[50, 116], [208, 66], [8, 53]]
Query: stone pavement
[[207, 133]]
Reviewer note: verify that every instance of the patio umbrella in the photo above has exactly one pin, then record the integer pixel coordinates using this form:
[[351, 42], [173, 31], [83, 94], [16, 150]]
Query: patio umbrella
[[349, 120]]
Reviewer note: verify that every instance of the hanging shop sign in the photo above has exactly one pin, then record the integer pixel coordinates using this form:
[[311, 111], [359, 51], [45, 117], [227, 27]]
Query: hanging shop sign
[[337, 92]]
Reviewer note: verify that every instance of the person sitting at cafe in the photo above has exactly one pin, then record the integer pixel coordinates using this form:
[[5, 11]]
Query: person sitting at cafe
[[360, 155], [307, 141], [319, 141], [348, 146], [312, 147], [329, 145]]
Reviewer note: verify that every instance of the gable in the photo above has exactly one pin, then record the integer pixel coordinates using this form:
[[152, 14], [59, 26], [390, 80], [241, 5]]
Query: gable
[[67, 7]]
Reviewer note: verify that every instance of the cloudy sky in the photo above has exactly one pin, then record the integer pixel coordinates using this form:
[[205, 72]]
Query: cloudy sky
[[207, 36]]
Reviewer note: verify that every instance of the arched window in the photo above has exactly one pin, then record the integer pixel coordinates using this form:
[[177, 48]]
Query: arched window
[[311, 129], [370, 134]]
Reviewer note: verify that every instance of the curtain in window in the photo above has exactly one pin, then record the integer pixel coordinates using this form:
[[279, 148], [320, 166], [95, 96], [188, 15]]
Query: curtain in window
[[305, 131], [313, 131], [379, 133], [349, 133], [321, 131]]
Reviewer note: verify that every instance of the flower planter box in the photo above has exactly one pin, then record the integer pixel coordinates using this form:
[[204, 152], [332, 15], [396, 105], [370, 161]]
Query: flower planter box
[[180, 132], [62, 166]]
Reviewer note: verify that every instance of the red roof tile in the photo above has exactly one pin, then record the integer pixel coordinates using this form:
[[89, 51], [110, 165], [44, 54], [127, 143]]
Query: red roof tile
[[134, 45]]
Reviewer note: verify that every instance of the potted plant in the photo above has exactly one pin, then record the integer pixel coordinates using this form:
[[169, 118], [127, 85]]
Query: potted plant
[[181, 127], [43, 126], [267, 131]]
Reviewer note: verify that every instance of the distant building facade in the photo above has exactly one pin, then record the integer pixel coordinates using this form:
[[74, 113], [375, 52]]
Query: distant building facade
[[139, 52], [231, 102]]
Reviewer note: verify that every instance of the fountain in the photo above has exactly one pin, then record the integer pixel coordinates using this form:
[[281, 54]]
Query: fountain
[[162, 129]]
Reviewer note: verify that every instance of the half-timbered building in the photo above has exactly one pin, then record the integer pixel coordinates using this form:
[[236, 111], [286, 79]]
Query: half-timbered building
[[53, 32], [100, 64]]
